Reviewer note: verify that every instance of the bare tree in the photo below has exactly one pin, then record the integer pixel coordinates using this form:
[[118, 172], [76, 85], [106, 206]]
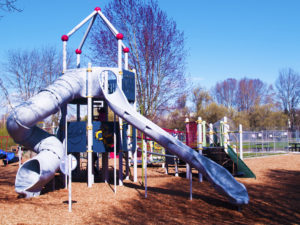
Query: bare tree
[[28, 71], [9, 6], [225, 92], [250, 92], [157, 51], [288, 91]]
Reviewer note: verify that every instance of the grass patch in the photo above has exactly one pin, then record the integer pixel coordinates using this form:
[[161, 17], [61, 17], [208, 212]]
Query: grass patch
[[259, 154]]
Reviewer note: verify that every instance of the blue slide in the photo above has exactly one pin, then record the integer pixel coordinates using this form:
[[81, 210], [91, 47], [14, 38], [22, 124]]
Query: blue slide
[[8, 157], [218, 176]]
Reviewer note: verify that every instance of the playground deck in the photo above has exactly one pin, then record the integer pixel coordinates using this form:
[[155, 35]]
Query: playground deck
[[274, 199]]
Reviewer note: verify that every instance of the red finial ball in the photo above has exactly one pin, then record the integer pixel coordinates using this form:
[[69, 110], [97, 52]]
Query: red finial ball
[[64, 38], [97, 9], [126, 50], [78, 51], [119, 36]]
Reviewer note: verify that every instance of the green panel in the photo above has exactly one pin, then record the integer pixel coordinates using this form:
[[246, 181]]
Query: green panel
[[242, 167]]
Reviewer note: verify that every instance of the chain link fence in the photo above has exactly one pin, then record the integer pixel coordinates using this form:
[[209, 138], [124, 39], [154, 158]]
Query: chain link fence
[[267, 142]]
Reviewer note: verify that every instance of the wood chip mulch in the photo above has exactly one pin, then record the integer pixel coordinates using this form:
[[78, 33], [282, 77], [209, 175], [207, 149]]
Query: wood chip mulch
[[274, 199]]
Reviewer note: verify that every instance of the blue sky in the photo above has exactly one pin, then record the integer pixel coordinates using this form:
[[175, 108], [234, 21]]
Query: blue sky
[[224, 38]]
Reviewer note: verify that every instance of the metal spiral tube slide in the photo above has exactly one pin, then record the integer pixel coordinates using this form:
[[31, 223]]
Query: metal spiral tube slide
[[21, 125]]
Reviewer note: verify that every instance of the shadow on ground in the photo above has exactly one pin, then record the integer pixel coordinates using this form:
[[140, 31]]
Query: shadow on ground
[[277, 202]]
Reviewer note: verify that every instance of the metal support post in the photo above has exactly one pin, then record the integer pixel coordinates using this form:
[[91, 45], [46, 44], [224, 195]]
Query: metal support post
[[241, 141], [89, 125], [211, 135], [199, 142]]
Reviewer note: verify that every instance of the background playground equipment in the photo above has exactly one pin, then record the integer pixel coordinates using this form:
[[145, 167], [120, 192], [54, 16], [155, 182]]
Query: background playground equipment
[[157, 154], [214, 141], [7, 155], [98, 88]]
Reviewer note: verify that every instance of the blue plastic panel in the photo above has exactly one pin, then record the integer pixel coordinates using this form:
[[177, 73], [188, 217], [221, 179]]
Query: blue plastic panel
[[103, 134], [77, 136], [128, 85]]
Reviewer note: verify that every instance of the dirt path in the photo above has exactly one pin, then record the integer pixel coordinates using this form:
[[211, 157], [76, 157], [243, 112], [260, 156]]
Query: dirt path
[[274, 199]]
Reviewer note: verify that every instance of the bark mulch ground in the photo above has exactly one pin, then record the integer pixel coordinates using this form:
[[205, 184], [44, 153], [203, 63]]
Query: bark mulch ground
[[274, 199]]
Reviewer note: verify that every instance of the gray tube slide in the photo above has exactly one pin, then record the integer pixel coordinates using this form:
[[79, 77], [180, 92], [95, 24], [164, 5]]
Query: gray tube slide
[[218, 176], [38, 171]]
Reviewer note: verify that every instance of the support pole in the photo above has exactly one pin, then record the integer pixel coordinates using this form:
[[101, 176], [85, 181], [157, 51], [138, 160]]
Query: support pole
[[126, 50], [225, 134], [78, 52], [204, 144], [66, 142], [115, 155], [241, 141], [105, 167], [134, 149], [175, 158], [89, 125], [127, 163], [119, 38], [65, 39], [134, 139], [151, 150], [20, 155], [70, 181], [145, 164], [187, 142], [176, 166], [191, 184], [199, 142], [121, 154], [211, 135]]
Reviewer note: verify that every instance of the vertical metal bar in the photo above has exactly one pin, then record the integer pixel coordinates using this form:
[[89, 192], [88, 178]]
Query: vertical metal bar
[[199, 142], [241, 141], [187, 142], [121, 154], [115, 155], [145, 164], [191, 184], [64, 56], [127, 134], [66, 143], [211, 135], [119, 77], [126, 60], [225, 134], [134, 149], [134, 139], [70, 181], [20, 155], [176, 166], [89, 125], [78, 60]]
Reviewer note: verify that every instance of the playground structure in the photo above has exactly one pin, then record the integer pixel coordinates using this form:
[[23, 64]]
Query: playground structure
[[214, 141], [7, 156], [98, 88]]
